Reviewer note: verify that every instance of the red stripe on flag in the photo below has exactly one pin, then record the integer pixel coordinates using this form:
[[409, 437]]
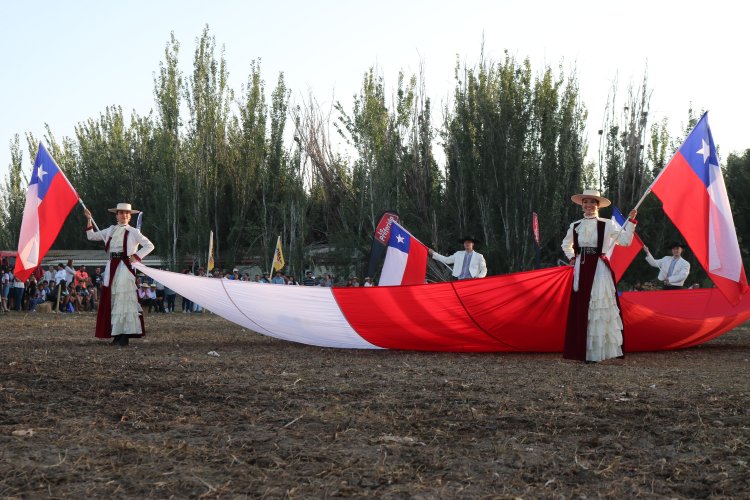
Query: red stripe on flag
[[419, 318], [685, 201], [416, 264], [623, 256]]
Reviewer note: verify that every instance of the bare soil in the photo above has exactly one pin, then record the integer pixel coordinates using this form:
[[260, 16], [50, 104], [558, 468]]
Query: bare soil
[[80, 418]]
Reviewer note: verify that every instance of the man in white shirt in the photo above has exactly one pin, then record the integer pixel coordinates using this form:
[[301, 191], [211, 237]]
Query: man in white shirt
[[673, 270], [49, 275], [60, 274], [466, 263]]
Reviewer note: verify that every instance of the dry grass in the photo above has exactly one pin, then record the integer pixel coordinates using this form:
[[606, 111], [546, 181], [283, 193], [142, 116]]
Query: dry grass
[[79, 418]]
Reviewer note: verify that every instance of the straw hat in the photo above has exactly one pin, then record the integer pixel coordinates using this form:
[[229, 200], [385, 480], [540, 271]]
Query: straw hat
[[124, 207], [591, 193]]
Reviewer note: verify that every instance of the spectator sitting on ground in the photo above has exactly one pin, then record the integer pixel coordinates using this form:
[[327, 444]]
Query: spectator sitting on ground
[[266, 278], [93, 295], [368, 282], [144, 296], [39, 297], [235, 274], [291, 280]]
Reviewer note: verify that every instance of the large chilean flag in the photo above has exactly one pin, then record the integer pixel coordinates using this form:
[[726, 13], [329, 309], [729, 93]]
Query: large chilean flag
[[691, 188], [405, 259], [48, 202]]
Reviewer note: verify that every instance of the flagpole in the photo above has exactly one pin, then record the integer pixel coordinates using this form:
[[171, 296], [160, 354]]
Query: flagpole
[[92, 217]]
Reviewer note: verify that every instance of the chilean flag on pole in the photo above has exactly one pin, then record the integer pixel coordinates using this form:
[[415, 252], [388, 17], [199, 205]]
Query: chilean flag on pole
[[48, 202], [691, 188], [405, 259], [620, 257]]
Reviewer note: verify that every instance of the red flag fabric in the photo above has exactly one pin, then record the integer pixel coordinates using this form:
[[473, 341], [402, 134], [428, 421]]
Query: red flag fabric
[[621, 256], [691, 188], [49, 199]]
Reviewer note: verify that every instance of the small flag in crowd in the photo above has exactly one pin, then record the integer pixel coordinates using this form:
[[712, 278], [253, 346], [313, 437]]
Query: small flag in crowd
[[49, 199], [278, 257], [405, 259], [620, 257], [692, 191], [210, 265]]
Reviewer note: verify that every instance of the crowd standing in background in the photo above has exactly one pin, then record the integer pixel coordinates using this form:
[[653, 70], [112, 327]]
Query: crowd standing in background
[[72, 289]]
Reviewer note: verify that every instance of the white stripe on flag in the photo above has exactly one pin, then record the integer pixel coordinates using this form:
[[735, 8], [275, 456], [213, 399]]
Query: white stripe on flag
[[393, 268]]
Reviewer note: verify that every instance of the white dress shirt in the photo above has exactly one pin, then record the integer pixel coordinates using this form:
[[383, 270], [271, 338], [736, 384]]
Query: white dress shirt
[[679, 272], [477, 265]]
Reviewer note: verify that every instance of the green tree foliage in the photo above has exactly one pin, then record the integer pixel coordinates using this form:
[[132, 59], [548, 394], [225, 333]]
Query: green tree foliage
[[737, 175], [250, 167], [514, 145]]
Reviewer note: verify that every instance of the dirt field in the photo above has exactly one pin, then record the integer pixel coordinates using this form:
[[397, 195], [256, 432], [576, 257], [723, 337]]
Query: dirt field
[[80, 418]]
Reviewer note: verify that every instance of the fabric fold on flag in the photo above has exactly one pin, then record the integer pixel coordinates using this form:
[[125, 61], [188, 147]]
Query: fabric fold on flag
[[49, 199], [621, 257], [405, 259], [692, 191]]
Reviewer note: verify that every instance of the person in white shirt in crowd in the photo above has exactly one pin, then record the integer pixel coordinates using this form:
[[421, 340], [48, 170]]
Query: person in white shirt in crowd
[[467, 263], [49, 275], [70, 273], [368, 282], [673, 269], [59, 287]]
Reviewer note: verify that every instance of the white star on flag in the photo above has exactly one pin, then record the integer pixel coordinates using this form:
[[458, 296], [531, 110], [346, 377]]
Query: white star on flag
[[399, 238], [704, 151], [40, 173]]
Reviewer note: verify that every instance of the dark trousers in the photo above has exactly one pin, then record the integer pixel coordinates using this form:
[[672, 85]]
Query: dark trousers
[[672, 287], [170, 302]]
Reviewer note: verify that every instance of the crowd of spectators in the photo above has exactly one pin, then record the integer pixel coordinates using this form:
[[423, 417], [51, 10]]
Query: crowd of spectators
[[64, 288], [68, 289]]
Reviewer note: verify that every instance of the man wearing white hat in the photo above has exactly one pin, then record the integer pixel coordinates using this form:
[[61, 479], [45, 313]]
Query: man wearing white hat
[[119, 314]]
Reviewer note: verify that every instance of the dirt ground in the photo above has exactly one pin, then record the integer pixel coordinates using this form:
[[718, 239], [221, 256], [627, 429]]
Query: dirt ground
[[80, 418]]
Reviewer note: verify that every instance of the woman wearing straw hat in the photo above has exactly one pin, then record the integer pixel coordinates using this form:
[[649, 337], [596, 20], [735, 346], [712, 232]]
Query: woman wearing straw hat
[[594, 328], [119, 315]]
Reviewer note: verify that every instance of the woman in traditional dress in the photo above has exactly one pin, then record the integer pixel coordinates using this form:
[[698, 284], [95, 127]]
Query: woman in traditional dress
[[119, 315], [594, 328]]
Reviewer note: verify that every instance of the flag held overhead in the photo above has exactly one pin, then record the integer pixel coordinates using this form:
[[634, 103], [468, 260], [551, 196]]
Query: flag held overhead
[[691, 188], [49, 199]]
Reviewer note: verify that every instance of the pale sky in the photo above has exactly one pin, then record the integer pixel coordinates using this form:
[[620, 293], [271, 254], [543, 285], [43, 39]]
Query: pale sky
[[64, 62]]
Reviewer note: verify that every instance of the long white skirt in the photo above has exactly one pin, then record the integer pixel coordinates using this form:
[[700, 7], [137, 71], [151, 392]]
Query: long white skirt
[[604, 335], [125, 307]]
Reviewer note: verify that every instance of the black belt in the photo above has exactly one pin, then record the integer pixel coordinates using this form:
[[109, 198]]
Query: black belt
[[117, 255], [587, 251]]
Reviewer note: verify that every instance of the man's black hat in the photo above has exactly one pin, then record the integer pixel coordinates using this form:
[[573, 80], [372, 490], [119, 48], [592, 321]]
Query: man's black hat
[[469, 238]]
